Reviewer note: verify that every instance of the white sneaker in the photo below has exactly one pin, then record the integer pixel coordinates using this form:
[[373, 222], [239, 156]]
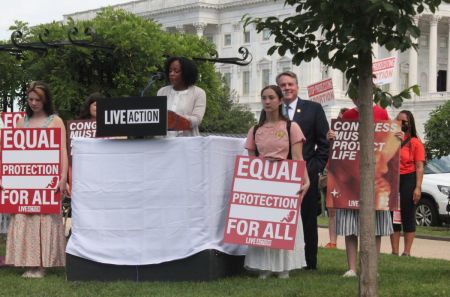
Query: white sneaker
[[350, 273], [37, 273], [28, 273], [264, 274], [284, 274]]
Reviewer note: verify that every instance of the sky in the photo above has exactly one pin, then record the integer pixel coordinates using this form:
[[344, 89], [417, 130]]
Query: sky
[[36, 12]]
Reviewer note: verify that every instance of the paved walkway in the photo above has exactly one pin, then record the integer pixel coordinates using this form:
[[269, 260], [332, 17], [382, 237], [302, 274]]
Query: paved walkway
[[423, 248]]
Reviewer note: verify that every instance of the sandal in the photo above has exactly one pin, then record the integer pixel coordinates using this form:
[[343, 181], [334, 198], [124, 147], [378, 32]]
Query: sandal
[[330, 245], [265, 274], [283, 275]]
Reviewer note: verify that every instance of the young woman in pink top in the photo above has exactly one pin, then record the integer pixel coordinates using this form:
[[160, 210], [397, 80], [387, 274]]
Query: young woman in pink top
[[271, 141]]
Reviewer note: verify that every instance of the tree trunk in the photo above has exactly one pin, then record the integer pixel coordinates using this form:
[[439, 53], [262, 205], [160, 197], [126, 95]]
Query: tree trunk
[[368, 251]]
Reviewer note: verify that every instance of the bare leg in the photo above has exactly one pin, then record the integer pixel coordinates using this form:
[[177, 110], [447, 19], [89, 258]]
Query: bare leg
[[351, 247], [378, 243], [395, 242], [332, 225], [409, 238]]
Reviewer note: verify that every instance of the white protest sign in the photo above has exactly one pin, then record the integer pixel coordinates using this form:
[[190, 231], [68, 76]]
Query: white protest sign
[[322, 92], [383, 70], [31, 167], [264, 203]]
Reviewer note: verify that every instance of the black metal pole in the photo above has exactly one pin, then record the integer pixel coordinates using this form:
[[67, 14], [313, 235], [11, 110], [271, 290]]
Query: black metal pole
[[5, 102]]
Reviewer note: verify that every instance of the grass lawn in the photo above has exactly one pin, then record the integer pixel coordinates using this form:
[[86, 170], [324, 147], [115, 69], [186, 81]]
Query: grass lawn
[[399, 276], [441, 231], [434, 231]]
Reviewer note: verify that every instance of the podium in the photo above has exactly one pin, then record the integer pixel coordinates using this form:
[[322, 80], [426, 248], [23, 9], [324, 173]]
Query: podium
[[132, 218], [207, 265]]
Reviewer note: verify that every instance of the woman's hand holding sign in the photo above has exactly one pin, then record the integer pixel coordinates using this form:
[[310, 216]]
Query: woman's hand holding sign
[[297, 154], [64, 187], [305, 186], [331, 135]]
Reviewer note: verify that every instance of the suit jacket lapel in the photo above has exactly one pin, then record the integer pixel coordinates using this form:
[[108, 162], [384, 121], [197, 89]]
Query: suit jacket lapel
[[298, 110]]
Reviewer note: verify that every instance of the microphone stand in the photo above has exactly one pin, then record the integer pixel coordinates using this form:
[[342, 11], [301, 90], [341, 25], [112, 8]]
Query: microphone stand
[[153, 78]]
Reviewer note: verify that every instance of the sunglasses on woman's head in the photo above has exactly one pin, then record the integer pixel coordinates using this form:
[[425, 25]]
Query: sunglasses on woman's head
[[35, 85]]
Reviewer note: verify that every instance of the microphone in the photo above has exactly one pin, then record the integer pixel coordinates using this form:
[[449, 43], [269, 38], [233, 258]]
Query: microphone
[[158, 76]]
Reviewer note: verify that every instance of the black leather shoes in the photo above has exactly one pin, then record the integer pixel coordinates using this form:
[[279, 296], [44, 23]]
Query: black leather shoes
[[309, 268]]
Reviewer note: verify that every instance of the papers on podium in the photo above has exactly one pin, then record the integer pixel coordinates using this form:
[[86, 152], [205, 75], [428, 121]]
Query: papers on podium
[[177, 122]]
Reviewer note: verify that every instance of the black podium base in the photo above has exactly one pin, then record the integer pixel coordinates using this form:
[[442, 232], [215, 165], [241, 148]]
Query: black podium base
[[207, 265]]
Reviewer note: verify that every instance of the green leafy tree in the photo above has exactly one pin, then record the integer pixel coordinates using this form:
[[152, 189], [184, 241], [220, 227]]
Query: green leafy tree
[[230, 118], [341, 34], [10, 79], [139, 48], [12, 73], [437, 131]]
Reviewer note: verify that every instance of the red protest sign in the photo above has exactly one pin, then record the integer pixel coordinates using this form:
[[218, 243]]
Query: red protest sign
[[82, 128], [31, 167], [264, 205], [10, 119], [343, 165], [383, 71], [396, 217], [322, 92]]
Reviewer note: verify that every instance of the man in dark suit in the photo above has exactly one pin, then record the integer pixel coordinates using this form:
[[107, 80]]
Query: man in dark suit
[[311, 118]]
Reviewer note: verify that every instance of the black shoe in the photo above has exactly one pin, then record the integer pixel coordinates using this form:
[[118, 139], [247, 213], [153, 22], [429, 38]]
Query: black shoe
[[310, 268]]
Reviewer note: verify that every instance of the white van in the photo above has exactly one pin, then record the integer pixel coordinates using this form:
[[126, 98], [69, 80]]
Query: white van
[[432, 207]]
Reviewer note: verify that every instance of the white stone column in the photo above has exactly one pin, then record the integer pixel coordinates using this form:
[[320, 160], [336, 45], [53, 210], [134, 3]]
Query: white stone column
[[180, 29], [337, 77], [375, 51], [432, 62], [448, 57], [200, 27], [315, 69], [413, 57]]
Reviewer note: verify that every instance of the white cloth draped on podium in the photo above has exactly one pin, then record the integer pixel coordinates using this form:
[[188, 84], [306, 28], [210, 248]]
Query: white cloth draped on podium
[[138, 202]]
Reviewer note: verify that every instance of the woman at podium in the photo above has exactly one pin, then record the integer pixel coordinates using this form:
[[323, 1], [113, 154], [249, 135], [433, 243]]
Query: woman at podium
[[183, 97]]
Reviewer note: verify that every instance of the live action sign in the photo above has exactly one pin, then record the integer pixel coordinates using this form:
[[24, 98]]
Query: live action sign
[[264, 203], [132, 116]]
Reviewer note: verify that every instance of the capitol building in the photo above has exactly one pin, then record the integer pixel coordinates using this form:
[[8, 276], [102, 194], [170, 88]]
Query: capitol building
[[220, 21]]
